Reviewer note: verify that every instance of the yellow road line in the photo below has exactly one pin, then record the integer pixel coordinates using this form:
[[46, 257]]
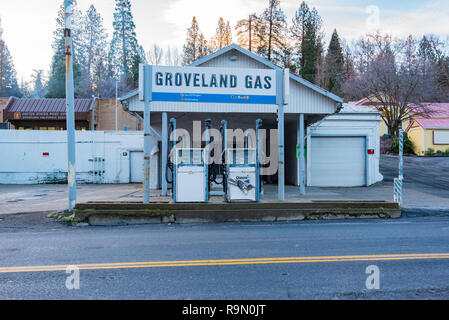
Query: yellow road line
[[227, 262]]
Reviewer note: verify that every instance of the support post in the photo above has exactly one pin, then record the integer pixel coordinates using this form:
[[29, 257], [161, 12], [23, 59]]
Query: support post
[[116, 105], [70, 105], [164, 153], [147, 70], [302, 156], [283, 80], [93, 112]]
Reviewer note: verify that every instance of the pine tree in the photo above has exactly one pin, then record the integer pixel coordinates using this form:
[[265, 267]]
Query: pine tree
[[39, 89], [335, 66], [245, 31], [427, 50], [94, 42], [8, 76], [56, 83], [270, 30], [306, 31], [124, 47], [196, 45]]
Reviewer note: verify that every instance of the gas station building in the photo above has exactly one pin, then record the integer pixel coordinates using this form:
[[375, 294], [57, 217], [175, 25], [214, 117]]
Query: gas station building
[[344, 153]]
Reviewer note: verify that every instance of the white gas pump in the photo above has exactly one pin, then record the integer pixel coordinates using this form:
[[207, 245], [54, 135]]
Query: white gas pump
[[190, 182], [189, 171], [242, 172]]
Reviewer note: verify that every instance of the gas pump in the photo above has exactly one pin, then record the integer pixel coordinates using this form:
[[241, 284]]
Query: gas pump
[[242, 174], [189, 171], [215, 170]]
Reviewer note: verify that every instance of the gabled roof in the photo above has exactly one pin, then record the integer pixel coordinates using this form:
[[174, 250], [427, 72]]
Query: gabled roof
[[432, 109], [270, 65], [441, 123], [258, 58]]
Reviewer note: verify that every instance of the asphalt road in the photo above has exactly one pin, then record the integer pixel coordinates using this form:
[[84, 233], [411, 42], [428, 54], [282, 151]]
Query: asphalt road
[[426, 182], [40, 243]]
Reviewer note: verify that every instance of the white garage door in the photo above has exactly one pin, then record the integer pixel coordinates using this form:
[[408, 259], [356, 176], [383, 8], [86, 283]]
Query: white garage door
[[338, 162]]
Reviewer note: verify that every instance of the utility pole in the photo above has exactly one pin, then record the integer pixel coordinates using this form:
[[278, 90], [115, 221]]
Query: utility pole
[[70, 105], [148, 97]]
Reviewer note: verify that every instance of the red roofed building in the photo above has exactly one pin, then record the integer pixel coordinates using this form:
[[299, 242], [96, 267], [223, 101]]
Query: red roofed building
[[429, 133]]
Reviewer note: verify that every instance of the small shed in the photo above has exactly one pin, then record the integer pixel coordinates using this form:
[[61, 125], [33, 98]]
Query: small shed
[[428, 134], [344, 149]]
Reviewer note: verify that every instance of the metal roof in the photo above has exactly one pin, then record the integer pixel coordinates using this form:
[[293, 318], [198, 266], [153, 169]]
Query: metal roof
[[46, 105], [436, 123], [44, 108]]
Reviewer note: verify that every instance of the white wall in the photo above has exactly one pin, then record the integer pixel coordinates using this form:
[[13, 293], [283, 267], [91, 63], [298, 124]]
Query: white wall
[[352, 124], [23, 160]]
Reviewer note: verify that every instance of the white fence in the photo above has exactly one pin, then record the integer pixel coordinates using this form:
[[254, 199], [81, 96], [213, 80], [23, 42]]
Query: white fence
[[40, 157]]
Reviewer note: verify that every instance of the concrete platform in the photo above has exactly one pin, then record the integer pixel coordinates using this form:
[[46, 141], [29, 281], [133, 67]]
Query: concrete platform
[[125, 213]]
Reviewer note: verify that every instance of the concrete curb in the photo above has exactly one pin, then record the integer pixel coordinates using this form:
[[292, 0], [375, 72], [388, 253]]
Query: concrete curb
[[112, 214], [418, 212]]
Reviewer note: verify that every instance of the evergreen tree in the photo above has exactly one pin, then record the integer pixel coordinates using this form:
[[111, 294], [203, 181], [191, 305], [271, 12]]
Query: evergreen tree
[[270, 30], [196, 45], [124, 47], [335, 66], [245, 31], [428, 50], [306, 31], [94, 42], [56, 83], [8, 76], [39, 89]]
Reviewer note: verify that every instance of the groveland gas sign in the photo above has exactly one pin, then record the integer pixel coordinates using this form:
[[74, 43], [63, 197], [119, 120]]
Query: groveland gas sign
[[214, 85]]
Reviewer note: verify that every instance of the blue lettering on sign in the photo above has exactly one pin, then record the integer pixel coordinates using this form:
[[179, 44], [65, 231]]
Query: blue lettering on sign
[[178, 79], [196, 80], [267, 84]]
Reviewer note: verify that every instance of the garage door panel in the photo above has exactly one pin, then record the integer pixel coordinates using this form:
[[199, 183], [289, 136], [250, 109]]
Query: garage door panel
[[338, 161]]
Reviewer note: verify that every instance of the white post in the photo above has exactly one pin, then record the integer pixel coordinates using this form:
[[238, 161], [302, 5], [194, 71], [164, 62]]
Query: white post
[[116, 105], [302, 158], [164, 153]]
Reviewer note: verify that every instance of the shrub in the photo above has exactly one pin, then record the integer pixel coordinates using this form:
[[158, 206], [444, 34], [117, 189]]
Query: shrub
[[446, 153], [430, 152], [408, 145]]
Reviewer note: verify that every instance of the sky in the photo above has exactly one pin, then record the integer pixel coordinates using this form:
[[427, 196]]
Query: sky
[[28, 25]]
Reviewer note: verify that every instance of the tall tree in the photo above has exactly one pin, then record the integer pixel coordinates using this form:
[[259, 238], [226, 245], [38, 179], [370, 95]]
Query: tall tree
[[39, 87], [270, 30], [56, 83], [94, 39], [196, 46], [334, 65], [245, 31], [124, 47], [393, 78], [223, 35], [8, 75], [307, 34]]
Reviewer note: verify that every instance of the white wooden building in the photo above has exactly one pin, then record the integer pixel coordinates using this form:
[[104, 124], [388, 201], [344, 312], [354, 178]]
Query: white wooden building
[[307, 104]]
